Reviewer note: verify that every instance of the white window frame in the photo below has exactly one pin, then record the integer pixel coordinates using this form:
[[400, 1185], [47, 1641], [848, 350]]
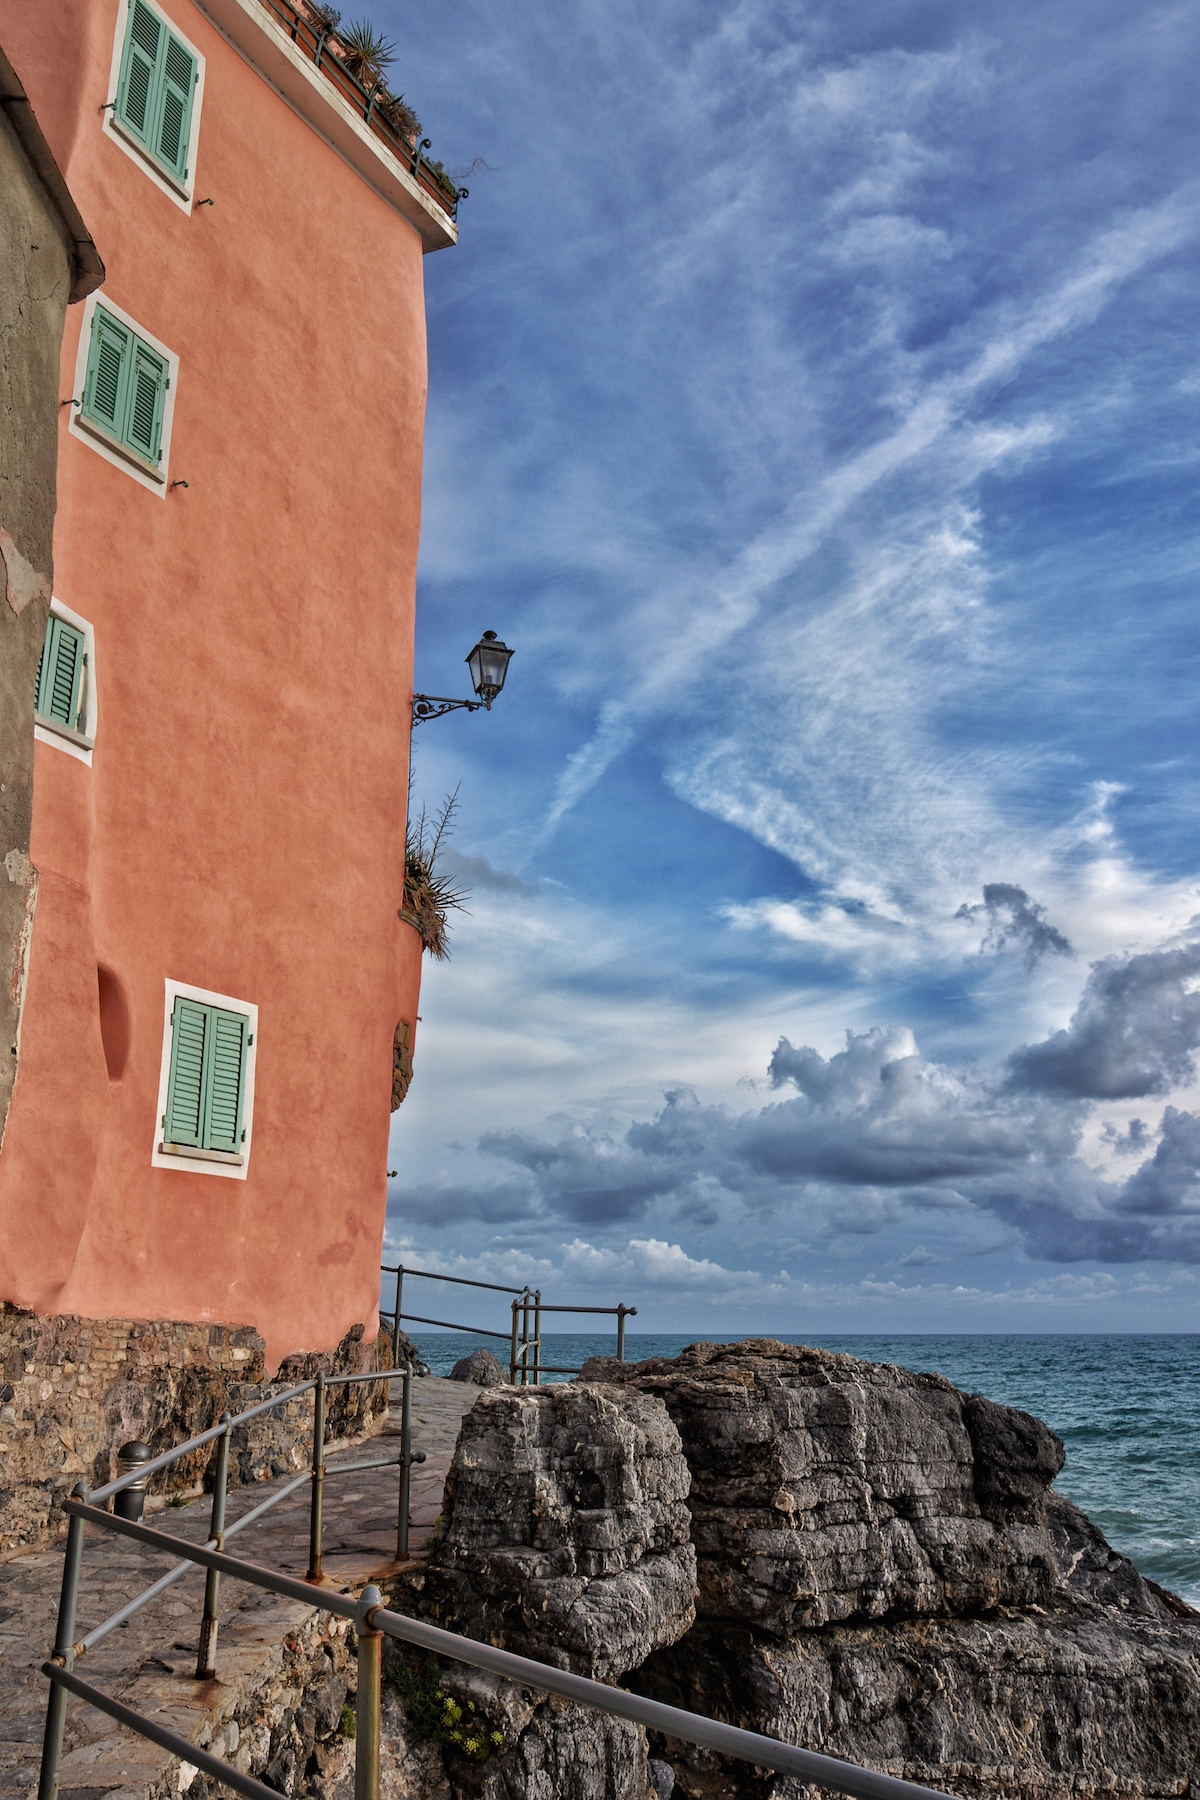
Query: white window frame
[[51, 732], [128, 462], [205, 1162], [179, 194]]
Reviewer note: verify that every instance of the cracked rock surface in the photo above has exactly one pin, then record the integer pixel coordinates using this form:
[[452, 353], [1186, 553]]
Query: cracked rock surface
[[882, 1572], [565, 1531]]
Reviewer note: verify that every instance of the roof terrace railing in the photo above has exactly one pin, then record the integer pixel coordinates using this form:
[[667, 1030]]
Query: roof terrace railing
[[317, 46], [524, 1335]]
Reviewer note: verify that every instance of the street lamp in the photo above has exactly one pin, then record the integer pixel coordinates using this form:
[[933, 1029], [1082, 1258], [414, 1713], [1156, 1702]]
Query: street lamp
[[488, 663]]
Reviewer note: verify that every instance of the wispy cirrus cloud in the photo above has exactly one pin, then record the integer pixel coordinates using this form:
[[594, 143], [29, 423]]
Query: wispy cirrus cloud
[[819, 420]]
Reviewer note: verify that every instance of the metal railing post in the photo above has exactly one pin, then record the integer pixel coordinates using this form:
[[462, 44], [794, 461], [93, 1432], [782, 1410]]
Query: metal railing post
[[318, 1482], [512, 1360], [621, 1311], [370, 1670], [537, 1337], [206, 1655], [405, 1465], [64, 1653], [525, 1303], [396, 1315]]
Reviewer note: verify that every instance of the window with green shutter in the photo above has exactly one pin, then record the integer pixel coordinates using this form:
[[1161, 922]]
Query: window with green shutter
[[155, 90], [207, 1081], [60, 692], [125, 388]]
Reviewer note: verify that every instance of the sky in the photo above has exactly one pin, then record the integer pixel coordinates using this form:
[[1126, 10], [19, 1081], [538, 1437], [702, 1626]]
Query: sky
[[813, 405]]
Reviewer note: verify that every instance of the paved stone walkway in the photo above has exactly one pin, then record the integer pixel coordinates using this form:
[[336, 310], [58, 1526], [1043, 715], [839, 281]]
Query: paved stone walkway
[[149, 1663]]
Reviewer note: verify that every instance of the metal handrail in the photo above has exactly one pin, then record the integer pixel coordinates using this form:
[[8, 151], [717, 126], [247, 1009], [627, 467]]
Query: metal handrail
[[66, 1650], [372, 1622], [494, 1287], [521, 1371]]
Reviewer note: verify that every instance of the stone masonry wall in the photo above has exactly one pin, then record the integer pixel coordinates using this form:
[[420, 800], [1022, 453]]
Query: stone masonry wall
[[73, 1390]]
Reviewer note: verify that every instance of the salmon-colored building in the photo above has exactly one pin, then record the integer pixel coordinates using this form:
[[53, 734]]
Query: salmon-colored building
[[219, 986]]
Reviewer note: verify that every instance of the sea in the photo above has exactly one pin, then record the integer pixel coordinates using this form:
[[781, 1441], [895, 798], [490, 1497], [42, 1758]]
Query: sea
[[1127, 1408]]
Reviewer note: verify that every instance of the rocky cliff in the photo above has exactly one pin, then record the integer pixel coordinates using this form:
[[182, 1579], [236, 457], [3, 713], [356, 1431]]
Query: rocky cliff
[[840, 1554]]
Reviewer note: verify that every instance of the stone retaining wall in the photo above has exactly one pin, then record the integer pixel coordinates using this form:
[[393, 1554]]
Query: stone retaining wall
[[73, 1390]]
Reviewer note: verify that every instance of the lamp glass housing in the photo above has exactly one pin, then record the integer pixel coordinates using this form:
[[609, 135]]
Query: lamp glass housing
[[488, 663]]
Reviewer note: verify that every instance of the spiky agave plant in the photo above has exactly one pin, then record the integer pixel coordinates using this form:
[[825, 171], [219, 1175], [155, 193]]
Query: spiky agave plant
[[366, 53], [429, 896]]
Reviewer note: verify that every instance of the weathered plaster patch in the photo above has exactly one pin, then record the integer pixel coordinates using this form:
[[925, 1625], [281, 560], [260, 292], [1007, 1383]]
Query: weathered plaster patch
[[18, 868], [20, 962], [23, 582]]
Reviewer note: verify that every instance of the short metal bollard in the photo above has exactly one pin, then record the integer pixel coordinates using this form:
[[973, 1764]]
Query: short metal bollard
[[367, 1704], [130, 1503], [318, 1482], [206, 1655]]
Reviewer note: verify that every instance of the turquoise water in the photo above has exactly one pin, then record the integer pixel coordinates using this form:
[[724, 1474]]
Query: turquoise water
[[1127, 1409]]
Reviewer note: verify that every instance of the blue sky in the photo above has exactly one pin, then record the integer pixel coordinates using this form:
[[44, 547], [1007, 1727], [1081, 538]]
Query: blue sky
[[813, 405]]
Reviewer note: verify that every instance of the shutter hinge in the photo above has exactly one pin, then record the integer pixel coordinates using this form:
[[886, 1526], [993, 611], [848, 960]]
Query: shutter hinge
[[164, 1122], [250, 1039], [243, 1134], [85, 659]]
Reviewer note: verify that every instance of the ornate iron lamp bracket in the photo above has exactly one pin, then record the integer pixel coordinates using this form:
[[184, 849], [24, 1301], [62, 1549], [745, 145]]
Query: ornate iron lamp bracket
[[433, 706]]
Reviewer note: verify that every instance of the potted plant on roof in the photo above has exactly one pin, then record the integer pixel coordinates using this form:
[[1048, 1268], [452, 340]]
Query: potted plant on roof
[[366, 54]]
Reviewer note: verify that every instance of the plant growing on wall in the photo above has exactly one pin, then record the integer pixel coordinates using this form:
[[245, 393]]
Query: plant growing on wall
[[433, 1714], [429, 895]]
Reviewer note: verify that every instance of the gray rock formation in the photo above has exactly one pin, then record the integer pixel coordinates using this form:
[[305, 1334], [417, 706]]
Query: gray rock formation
[[882, 1572], [481, 1367], [565, 1533], [885, 1575], [827, 1490]]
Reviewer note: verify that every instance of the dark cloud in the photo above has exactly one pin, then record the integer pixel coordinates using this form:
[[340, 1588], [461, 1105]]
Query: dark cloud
[[1169, 1181], [1134, 1032], [875, 1134], [586, 1177], [1013, 918], [494, 1203], [478, 872], [1127, 1143]]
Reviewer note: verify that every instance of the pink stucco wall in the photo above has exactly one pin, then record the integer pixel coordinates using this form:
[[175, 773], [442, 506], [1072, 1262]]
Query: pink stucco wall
[[242, 825]]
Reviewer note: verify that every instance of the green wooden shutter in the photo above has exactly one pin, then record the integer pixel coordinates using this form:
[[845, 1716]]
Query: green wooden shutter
[[60, 674], [224, 1123], [148, 387], [106, 386], [191, 1030], [139, 83], [175, 107], [207, 1080], [43, 664], [125, 389]]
